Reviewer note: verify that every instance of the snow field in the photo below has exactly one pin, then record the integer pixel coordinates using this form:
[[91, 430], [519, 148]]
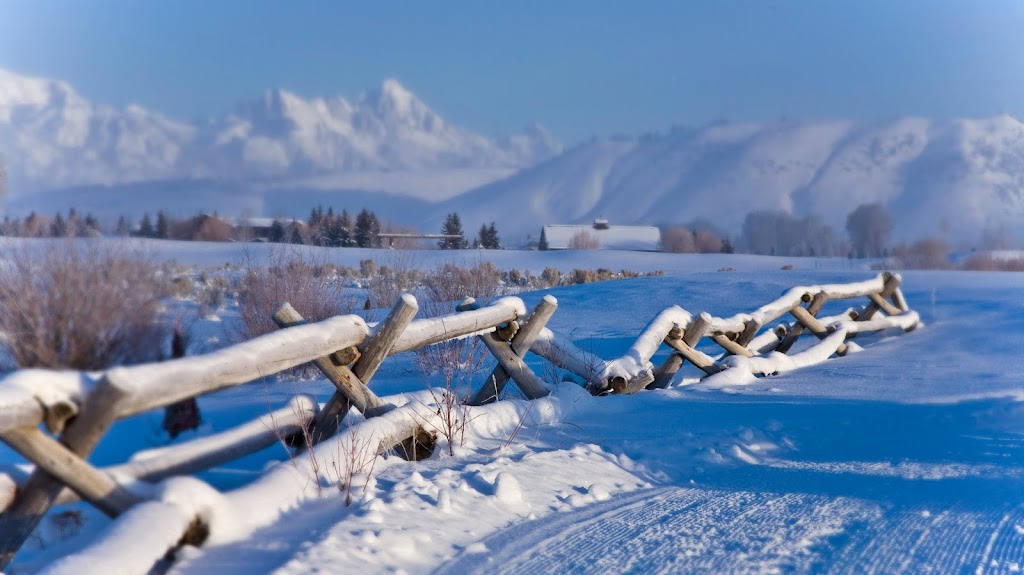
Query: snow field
[[904, 459]]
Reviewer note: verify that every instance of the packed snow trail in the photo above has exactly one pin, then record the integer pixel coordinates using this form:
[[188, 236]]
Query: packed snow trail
[[691, 530]]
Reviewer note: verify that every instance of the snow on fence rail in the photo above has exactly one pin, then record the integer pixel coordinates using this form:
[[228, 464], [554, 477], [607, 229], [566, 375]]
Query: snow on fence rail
[[81, 407]]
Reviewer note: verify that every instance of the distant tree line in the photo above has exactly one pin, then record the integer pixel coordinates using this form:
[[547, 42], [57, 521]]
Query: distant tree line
[[340, 230], [774, 232], [323, 227], [487, 238], [36, 225]]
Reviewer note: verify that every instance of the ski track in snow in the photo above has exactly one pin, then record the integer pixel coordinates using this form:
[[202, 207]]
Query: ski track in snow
[[688, 530]]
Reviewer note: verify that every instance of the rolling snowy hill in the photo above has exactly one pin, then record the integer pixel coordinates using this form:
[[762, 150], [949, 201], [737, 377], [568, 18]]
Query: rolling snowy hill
[[954, 177]]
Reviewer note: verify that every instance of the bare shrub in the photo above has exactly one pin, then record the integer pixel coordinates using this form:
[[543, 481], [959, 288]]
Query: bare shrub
[[708, 242], [584, 240], [352, 463], [582, 276], [449, 282], [550, 277], [286, 274], [678, 241], [448, 370], [988, 262], [85, 304], [398, 274], [924, 254], [211, 294], [452, 412]]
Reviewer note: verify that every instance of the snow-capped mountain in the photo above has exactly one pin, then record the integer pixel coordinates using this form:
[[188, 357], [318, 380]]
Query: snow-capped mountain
[[55, 138], [952, 178], [945, 178]]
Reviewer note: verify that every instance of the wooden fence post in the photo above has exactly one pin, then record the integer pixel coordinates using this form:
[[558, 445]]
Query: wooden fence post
[[697, 329], [817, 301], [91, 484], [731, 346], [892, 283], [527, 382], [350, 389], [521, 342], [83, 433], [812, 323], [383, 339]]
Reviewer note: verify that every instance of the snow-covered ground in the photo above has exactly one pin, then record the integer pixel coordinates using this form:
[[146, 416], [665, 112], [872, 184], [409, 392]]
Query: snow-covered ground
[[907, 457]]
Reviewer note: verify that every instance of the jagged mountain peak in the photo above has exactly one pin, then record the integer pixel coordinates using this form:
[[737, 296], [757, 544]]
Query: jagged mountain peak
[[56, 138]]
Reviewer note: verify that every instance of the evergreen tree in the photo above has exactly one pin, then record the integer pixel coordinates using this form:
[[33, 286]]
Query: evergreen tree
[[487, 238], [727, 247], [123, 229], [375, 241], [367, 228], [276, 232], [346, 229], [334, 233], [72, 226], [316, 216], [543, 243], [146, 227], [58, 228], [452, 227], [295, 236], [492, 238], [91, 226], [481, 237], [162, 226]]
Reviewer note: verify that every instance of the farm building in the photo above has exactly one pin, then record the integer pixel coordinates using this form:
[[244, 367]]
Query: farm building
[[263, 228], [602, 235]]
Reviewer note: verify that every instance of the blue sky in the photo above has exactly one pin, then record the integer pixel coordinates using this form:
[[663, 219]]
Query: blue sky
[[580, 68]]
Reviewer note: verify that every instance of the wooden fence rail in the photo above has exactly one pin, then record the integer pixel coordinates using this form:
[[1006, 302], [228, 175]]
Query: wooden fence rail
[[77, 409]]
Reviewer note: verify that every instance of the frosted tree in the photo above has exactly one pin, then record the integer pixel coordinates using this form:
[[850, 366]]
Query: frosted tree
[[869, 228]]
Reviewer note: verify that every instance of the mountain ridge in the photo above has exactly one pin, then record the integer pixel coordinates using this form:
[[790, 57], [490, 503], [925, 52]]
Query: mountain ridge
[[55, 138], [951, 179]]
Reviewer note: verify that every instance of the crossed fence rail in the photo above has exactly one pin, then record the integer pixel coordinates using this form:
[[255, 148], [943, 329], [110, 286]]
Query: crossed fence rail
[[55, 419]]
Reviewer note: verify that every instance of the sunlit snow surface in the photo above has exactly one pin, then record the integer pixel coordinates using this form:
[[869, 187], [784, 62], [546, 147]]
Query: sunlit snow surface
[[905, 458]]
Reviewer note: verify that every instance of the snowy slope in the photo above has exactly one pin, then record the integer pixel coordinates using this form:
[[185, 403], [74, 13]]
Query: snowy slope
[[904, 458], [56, 138], [961, 176]]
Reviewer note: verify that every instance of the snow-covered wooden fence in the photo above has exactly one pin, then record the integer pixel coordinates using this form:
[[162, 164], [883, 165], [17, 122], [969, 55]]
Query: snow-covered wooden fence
[[79, 408]]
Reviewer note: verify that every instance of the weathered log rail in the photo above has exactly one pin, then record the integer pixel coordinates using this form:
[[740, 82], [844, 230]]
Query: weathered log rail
[[79, 408]]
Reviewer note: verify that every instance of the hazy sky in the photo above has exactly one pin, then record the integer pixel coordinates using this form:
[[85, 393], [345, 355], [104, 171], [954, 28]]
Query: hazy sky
[[580, 68]]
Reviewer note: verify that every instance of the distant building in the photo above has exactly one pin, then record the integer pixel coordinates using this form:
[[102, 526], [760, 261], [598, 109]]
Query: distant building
[[602, 235], [262, 228]]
